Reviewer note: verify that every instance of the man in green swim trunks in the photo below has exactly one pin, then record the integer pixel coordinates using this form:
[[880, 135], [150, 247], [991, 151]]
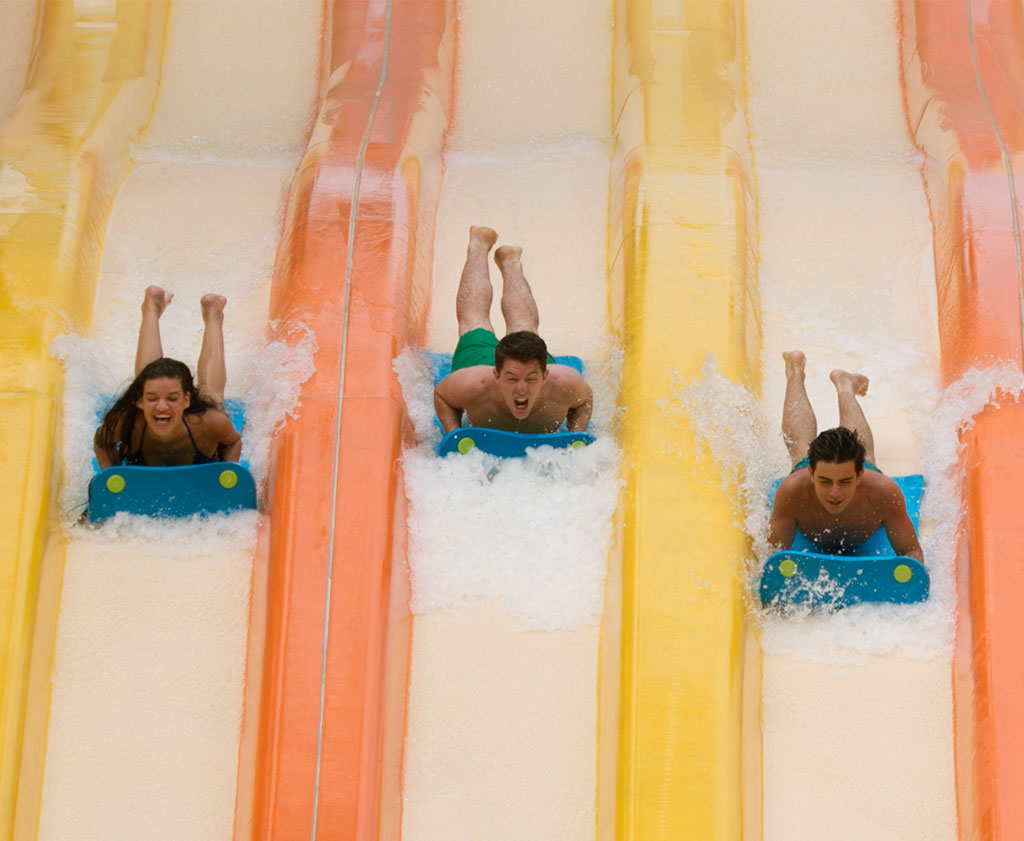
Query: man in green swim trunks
[[829, 495], [511, 384]]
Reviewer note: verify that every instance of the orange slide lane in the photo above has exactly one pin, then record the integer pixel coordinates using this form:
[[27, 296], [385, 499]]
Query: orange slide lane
[[354, 266], [964, 66]]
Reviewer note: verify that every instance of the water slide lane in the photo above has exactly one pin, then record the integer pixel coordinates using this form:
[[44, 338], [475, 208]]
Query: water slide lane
[[19, 22], [964, 80], [681, 288], [64, 150], [354, 265]]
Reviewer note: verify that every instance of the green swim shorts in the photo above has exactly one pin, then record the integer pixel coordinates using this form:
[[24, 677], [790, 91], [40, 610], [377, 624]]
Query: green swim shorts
[[477, 348], [805, 462]]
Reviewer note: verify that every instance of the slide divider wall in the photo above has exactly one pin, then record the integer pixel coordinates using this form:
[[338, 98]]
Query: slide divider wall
[[354, 267], [963, 64], [682, 286], [64, 150]]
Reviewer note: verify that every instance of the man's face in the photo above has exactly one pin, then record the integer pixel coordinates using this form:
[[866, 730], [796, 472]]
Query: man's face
[[519, 384], [835, 484]]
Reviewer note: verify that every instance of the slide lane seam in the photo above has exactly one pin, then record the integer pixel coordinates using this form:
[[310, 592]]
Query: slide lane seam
[[684, 190], [348, 705], [346, 314]]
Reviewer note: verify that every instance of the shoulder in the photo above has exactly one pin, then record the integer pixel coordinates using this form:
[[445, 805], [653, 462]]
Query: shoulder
[[791, 487], [466, 378], [883, 491], [567, 378], [210, 420]]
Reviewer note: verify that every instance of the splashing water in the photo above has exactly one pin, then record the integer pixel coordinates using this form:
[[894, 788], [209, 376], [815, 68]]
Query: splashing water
[[730, 421], [531, 533], [89, 387]]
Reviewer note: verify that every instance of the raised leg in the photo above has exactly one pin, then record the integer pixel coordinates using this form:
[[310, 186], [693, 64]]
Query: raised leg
[[473, 300], [799, 426], [517, 303], [149, 347], [211, 372], [848, 388]]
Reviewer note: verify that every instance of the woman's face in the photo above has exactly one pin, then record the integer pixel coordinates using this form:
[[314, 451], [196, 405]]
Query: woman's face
[[163, 402]]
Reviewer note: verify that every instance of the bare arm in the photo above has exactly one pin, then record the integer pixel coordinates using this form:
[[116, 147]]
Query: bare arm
[[900, 529], [103, 458], [233, 451], [229, 440], [448, 413], [578, 417], [782, 525]]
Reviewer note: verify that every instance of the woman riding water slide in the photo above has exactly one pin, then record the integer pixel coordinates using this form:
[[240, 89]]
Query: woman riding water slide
[[163, 419]]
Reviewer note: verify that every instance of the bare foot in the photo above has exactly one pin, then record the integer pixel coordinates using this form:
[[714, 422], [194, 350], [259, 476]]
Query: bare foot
[[212, 306], [482, 236], [845, 381], [156, 300], [795, 362], [507, 254]]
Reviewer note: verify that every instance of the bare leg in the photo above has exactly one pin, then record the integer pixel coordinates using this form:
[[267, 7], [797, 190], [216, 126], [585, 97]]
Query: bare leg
[[799, 426], [149, 348], [517, 303], [473, 300], [848, 388], [211, 372]]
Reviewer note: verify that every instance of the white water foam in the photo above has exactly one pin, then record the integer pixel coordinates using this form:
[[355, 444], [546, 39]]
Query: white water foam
[[746, 444], [532, 533], [276, 374]]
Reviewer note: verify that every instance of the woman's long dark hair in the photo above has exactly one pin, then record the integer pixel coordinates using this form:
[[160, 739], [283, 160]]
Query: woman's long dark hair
[[115, 432]]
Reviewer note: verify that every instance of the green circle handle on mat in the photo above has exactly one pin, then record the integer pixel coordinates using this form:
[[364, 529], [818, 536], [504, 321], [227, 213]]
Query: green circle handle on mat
[[903, 573], [228, 479], [466, 444], [787, 568], [576, 445], [115, 483]]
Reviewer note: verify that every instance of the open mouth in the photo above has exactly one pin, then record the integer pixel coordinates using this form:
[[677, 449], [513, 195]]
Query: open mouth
[[520, 403]]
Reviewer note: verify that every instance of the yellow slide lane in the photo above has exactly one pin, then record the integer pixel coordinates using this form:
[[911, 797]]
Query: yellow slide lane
[[18, 22], [56, 183], [681, 259]]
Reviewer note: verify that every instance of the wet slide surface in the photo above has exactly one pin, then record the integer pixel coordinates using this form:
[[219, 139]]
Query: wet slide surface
[[845, 275], [507, 561], [18, 22], [150, 654], [507, 647], [151, 649]]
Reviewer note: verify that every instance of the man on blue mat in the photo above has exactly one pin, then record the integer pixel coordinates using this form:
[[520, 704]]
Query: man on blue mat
[[512, 384], [829, 495]]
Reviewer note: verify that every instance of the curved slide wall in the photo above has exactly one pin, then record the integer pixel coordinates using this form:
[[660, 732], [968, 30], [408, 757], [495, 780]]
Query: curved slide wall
[[19, 21], [96, 68], [681, 288], [354, 265], [964, 69], [150, 649]]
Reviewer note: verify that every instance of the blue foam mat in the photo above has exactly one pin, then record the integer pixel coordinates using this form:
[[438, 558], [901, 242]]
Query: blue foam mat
[[171, 491], [174, 491], [500, 442]]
